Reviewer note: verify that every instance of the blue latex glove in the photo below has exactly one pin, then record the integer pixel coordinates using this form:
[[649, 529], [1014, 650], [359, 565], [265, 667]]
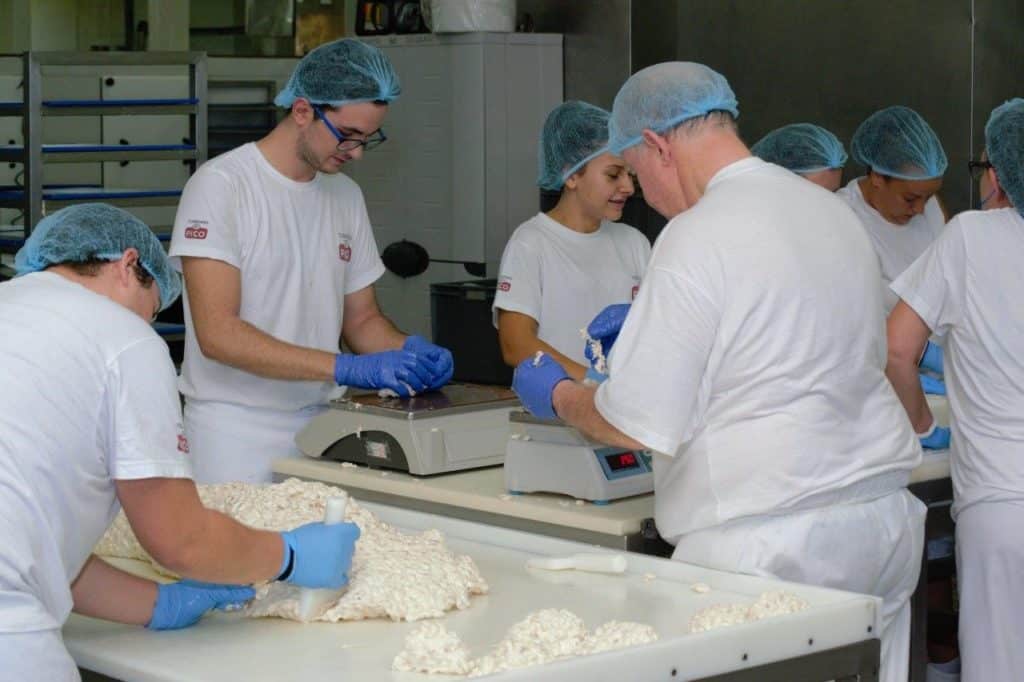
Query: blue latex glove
[[932, 385], [437, 358], [181, 604], [936, 438], [534, 384], [605, 328], [594, 376], [398, 370], [932, 358], [319, 554]]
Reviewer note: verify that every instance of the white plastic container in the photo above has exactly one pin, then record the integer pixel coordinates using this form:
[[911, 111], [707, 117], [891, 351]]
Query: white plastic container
[[464, 16], [944, 672]]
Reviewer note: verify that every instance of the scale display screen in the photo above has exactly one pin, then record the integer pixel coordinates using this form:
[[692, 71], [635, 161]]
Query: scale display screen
[[620, 461]]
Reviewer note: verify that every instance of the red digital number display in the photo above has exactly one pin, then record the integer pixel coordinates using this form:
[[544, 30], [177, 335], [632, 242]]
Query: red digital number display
[[623, 460]]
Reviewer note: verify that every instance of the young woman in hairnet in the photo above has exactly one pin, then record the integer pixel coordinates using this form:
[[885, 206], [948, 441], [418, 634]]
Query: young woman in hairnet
[[562, 267], [90, 421], [279, 262], [898, 203], [806, 149], [896, 198], [969, 286]]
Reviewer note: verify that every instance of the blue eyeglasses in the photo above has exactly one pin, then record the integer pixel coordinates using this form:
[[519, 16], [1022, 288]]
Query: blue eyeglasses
[[346, 143]]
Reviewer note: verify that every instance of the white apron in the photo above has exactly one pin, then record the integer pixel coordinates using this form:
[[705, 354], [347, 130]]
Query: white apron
[[230, 443], [990, 575], [867, 547]]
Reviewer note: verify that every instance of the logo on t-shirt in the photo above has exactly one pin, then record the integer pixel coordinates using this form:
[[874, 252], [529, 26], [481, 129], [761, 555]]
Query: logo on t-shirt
[[505, 285], [182, 444], [195, 230], [344, 246]]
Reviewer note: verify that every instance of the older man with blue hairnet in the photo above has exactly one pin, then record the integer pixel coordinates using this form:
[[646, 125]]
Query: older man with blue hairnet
[[968, 285], [279, 262], [752, 364], [90, 421]]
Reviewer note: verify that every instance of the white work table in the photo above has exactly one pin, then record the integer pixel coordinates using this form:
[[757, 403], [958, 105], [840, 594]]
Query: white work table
[[834, 638], [480, 495]]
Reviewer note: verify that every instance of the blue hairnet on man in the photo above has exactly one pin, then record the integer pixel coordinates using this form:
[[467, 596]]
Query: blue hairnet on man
[[778, 452], [98, 232]]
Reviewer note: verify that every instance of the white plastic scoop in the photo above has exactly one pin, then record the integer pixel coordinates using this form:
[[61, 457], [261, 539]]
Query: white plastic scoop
[[594, 563], [313, 602]]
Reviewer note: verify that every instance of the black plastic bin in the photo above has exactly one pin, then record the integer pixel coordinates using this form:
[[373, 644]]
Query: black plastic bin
[[460, 319]]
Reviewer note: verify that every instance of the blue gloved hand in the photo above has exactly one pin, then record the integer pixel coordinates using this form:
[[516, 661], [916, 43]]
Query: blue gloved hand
[[936, 438], [932, 358], [534, 381], [605, 328], [319, 555], [932, 385], [438, 359], [402, 371], [181, 604]]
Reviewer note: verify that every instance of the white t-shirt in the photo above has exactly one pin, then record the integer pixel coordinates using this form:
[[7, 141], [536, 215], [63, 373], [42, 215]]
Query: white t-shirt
[[754, 357], [970, 286], [88, 397], [897, 246], [563, 278], [300, 247]]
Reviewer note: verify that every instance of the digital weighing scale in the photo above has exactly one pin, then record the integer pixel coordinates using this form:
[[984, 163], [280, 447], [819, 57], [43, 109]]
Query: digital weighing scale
[[460, 426], [547, 455]]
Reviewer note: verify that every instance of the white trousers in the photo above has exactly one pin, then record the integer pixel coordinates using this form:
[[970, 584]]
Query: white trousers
[[990, 575], [229, 443], [36, 657], [869, 547]]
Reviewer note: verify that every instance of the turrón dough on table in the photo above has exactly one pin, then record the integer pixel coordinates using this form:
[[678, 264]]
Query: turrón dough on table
[[396, 575]]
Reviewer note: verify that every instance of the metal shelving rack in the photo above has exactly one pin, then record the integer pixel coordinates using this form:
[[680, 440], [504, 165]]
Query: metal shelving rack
[[34, 199]]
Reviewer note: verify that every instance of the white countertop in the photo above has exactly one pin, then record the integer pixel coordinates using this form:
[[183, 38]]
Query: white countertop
[[653, 591]]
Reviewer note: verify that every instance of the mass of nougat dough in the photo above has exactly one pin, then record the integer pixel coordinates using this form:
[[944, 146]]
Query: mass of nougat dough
[[543, 636], [395, 575], [769, 604]]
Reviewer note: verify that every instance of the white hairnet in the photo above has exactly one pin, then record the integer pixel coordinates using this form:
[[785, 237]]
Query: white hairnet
[[662, 96]]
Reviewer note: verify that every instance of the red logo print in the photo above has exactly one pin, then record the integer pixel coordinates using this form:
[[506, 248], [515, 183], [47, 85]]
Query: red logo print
[[345, 252], [636, 290], [195, 232], [505, 286], [182, 444]]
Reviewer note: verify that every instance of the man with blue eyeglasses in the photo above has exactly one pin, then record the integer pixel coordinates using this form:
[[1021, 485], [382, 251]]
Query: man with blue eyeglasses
[[279, 262]]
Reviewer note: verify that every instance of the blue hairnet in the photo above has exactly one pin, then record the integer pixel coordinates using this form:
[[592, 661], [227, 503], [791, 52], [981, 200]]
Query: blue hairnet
[[899, 143], [345, 71], [574, 133], [97, 231], [802, 148], [662, 96], [1004, 143]]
